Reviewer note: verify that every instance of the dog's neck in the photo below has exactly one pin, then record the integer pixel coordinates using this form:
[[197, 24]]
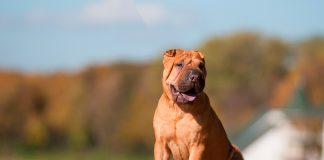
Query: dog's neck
[[196, 107]]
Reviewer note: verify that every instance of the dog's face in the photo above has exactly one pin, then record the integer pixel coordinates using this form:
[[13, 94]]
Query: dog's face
[[184, 75]]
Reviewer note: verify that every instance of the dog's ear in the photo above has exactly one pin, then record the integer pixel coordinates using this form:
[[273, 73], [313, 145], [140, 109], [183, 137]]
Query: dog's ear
[[202, 56], [168, 55], [168, 60], [172, 52]]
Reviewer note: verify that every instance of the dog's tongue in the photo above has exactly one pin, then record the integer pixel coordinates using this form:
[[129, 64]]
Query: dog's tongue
[[189, 98]]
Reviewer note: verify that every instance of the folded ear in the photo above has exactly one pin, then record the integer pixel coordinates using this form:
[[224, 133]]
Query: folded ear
[[168, 60], [200, 54], [168, 55], [172, 52]]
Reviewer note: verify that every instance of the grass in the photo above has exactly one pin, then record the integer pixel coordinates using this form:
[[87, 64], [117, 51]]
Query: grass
[[90, 154]]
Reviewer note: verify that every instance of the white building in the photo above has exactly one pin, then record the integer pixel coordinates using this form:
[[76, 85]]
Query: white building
[[295, 132]]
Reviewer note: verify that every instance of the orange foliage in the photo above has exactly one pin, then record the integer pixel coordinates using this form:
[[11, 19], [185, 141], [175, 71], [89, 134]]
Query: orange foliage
[[113, 105]]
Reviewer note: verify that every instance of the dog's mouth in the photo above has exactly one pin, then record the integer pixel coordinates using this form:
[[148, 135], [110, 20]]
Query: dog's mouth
[[183, 97]]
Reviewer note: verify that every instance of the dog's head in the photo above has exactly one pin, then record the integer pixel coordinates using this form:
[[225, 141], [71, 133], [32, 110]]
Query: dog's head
[[184, 75]]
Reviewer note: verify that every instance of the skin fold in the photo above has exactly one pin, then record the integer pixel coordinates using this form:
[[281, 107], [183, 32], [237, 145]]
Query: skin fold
[[185, 125]]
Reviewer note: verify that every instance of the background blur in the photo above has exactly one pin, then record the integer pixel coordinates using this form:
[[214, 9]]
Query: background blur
[[80, 79]]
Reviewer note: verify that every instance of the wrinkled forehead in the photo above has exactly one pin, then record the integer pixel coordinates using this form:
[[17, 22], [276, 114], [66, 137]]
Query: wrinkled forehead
[[190, 55]]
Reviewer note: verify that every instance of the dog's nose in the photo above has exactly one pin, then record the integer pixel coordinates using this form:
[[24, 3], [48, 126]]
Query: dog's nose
[[194, 76]]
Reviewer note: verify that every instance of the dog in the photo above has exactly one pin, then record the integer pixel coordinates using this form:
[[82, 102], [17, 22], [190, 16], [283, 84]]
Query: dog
[[185, 125]]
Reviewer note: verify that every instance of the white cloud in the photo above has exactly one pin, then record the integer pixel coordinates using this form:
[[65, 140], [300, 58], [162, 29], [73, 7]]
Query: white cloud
[[152, 14], [156, 14], [106, 12], [111, 11]]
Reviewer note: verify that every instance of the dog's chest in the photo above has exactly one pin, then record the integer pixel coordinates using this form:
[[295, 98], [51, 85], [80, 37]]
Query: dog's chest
[[184, 131]]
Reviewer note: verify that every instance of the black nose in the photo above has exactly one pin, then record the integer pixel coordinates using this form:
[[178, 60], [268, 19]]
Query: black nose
[[194, 76]]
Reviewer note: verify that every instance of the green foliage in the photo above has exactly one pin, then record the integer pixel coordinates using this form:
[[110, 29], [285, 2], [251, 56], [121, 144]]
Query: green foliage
[[311, 66], [67, 154], [242, 71], [112, 106]]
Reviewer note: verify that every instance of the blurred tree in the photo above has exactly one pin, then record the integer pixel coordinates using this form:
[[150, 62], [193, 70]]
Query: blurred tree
[[311, 65], [242, 72], [113, 105]]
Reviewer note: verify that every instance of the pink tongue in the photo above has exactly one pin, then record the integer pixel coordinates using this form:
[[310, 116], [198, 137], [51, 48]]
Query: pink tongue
[[188, 98]]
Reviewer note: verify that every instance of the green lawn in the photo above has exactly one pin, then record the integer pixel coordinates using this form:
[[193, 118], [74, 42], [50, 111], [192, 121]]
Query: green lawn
[[98, 154]]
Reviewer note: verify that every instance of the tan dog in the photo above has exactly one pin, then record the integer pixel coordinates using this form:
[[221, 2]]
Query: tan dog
[[185, 125]]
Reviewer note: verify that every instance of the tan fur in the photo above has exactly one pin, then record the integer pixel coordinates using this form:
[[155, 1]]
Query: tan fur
[[188, 131]]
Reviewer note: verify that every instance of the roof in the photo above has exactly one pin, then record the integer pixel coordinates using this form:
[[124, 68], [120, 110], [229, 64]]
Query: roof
[[299, 105], [265, 120]]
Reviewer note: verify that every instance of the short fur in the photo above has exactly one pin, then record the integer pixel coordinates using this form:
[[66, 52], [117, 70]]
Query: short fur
[[186, 128]]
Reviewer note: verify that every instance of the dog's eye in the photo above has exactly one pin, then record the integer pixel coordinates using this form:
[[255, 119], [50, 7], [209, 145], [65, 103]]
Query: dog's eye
[[179, 65], [201, 66]]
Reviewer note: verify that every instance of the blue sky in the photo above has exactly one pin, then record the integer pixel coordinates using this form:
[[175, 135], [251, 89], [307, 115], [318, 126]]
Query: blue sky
[[52, 35]]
